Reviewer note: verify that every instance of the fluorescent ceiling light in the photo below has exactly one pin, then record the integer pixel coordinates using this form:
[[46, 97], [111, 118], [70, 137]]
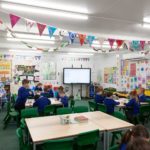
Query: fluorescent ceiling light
[[79, 54], [146, 19], [41, 11], [30, 41], [146, 25], [31, 36], [26, 51], [52, 5]]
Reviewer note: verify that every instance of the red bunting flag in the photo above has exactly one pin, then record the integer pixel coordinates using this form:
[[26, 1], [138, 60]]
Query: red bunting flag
[[29, 24], [119, 43], [82, 38], [1, 22], [13, 19], [41, 28], [111, 42], [142, 43]]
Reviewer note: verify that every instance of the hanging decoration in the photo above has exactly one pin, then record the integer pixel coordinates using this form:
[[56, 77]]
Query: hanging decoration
[[135, 45], [82, 38], [142, 43], [111, 42], [119, 43], [51, 30], [13, 19], [41, 28], [72, 36], [29, 24], [101, 41], [90, 39], [1, 22]]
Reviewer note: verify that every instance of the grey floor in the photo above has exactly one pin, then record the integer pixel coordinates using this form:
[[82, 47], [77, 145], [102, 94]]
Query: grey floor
[[8, 138]]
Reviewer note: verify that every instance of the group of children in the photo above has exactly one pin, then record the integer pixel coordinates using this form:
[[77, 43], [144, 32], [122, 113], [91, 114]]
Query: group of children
[[133, 106], [40, 95]]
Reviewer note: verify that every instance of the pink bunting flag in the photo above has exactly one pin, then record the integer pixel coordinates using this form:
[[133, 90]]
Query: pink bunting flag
[[142, 43], [101, 41], [13, 19], [29, 24], [82, 38], [1, 22], [111, 42], [119, 43], [41, 28]]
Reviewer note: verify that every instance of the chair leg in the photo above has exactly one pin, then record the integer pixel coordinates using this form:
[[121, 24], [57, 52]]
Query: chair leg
[[6, 122]]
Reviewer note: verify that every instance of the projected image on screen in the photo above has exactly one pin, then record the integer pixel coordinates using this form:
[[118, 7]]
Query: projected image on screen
[[76, 76]]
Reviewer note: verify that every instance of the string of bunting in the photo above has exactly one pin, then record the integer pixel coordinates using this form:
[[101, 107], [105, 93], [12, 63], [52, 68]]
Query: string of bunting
[[130, 45]]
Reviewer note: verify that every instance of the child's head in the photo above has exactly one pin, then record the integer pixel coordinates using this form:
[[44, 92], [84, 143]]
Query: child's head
[[46, 89], [62, 94], [39, 84], [109, 94], [141, 91], [25, 83], [138, 144], [99, 89], [60, 89], [133, 94]]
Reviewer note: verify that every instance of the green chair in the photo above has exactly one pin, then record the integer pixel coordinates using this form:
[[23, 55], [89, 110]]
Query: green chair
[[72, 103], [115, 147], [119, 115], [80, 109], [92, 105], [11, 114], [62, 111], [22, 144], [49, 110], [87, 139], [29, 113], [101, 107], [61, 144]]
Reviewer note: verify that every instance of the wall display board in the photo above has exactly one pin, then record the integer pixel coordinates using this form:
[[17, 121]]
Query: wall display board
[[5, 70], [110, 75]]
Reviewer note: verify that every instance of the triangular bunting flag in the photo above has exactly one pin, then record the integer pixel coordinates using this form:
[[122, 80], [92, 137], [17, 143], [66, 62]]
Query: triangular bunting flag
[[72, 36], [101, 41], [135, 44], [91, 39], [13, 19], [82, 38], [142, 43], [29, 24], [1, 22], [51, 31], [119, 43], [41, 28], [111, 42]]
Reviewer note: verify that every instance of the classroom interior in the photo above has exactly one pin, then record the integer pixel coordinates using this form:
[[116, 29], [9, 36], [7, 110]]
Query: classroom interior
[[75, 75]]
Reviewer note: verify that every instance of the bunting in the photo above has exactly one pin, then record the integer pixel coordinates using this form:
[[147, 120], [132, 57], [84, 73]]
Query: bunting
[[51, 30], [142, 43], [135, 44], [13, 19], [72, 36], [29, 24], [119, 43], [82, 38], [111, 42], [101, 41], [90, 39], [41, 28], [1, 22]]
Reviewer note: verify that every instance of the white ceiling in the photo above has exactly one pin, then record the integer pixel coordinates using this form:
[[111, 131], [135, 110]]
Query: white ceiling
[[121, 19]]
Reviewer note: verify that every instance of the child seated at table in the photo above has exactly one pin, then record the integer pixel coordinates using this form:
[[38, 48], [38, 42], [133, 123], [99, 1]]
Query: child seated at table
[[141, 95], [60, 89], [46, 92], [133, 108], [3, 95], [41, 103], [51, 93], [99, 97], [136, 132], [110, 103], [63, 98], [38, 87]]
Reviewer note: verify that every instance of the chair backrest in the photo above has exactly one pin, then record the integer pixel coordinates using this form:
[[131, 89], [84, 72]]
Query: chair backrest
[[101, 107], [62, 144], [49, 110], [20, 137], [88, 138], [119, 115], [115, 147], [80, 109], [72, 103], [62, 111], [92, 105], [29, 112]]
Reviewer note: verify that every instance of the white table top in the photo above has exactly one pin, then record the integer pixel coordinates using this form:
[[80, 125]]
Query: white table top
[[30, 102], [47, 128]]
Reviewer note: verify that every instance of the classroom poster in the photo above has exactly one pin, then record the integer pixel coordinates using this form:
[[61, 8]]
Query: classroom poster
[[5, 70], [49, 71], [110, 75], [132, 69]]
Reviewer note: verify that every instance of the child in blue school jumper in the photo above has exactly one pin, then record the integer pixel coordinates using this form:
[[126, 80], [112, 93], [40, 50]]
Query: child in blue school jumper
[[138, 131], [45, 93], [134, 107], [99, 96], [38, 87], [51, 93], [141, 95], [23, 94], [60, 89], [41, 103], [110, 103], [63, 98]]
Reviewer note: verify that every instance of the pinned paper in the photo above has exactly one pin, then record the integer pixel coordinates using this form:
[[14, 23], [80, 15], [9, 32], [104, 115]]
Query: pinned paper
[[51, 31], [82, 38], [91, 39], [13, 19], [111, 42], [41, 28], [72, 36]]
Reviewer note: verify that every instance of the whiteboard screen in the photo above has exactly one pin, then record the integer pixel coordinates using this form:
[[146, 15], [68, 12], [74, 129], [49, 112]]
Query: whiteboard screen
[[77, 76]]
